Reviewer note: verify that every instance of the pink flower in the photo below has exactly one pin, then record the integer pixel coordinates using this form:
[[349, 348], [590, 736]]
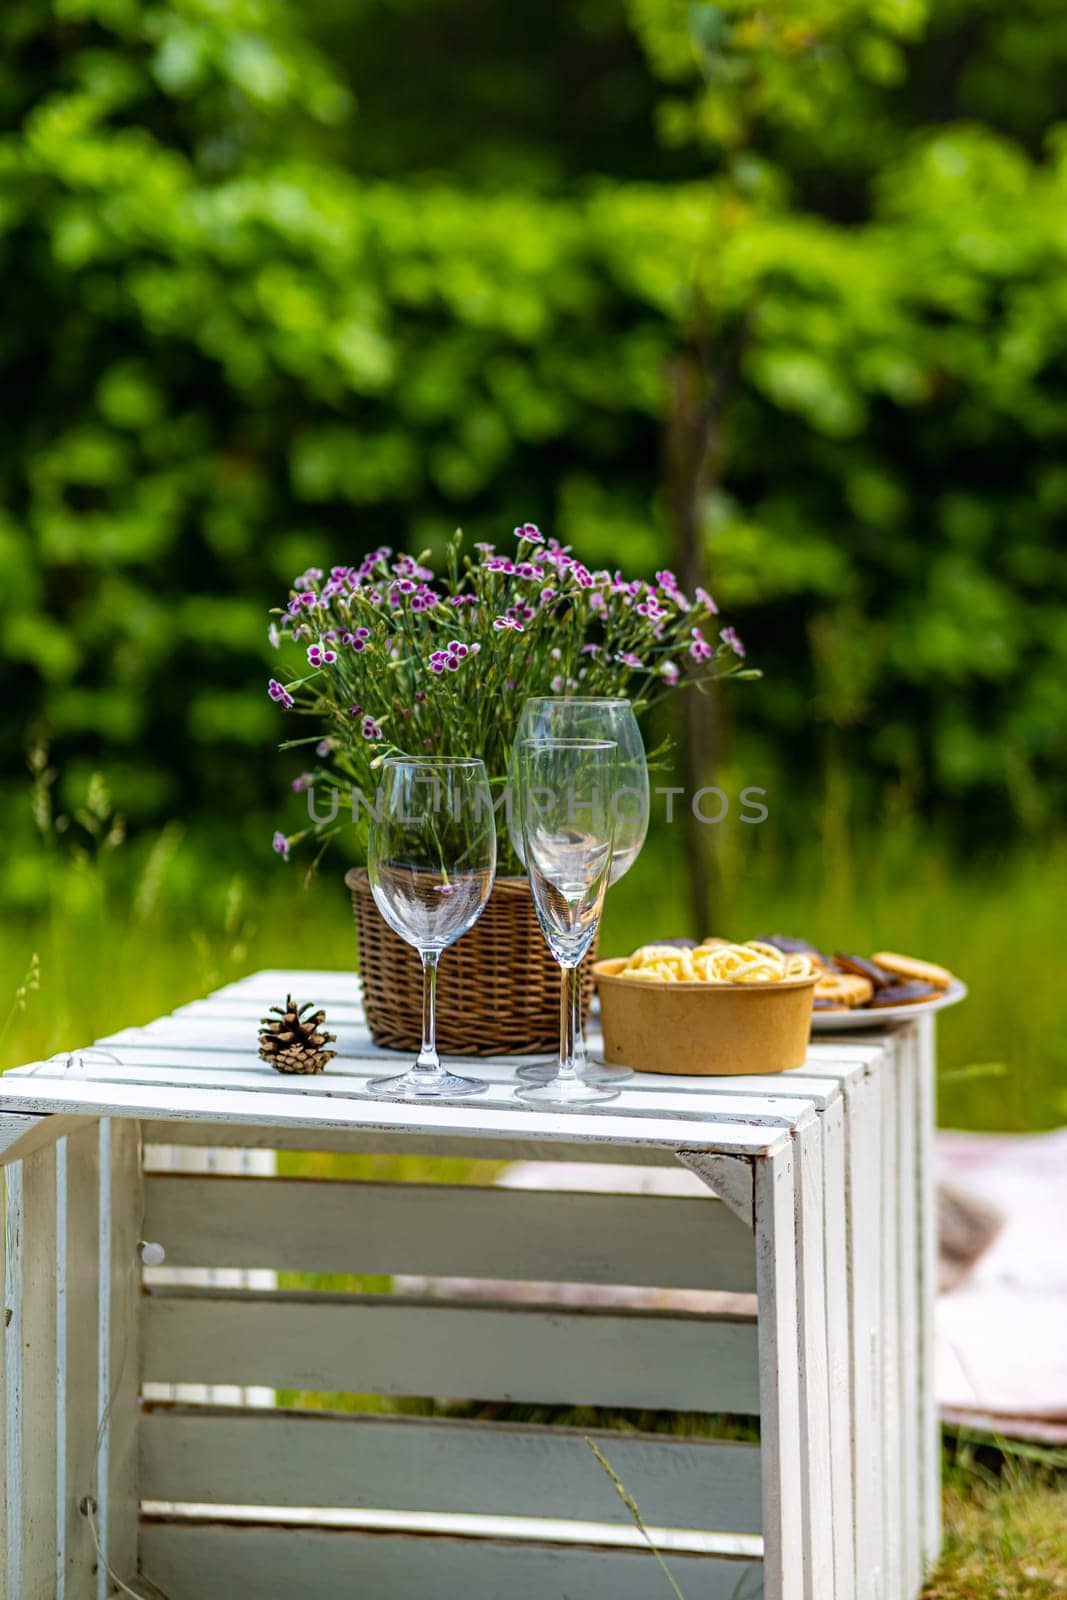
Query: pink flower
[[320, 655], [670, 673], [280, 694], [700, 649], [628, 659], [370, 729], [705, 600], [281, 845], [303, 782], [502, 624], [729, 637], [531, 533]]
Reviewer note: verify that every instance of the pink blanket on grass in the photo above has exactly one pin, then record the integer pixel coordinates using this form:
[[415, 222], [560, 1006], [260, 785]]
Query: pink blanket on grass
[[1002, 1332]]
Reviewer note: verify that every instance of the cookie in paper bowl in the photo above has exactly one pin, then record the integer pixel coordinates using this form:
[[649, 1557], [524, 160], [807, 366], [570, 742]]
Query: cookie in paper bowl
[[662, 1011]]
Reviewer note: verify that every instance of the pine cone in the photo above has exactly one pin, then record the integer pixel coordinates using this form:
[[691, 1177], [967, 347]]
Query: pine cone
[[292, 1041]]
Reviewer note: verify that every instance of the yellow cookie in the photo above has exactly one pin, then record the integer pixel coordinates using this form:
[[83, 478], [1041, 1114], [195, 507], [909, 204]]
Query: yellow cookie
[[910, 967], [844, 989]]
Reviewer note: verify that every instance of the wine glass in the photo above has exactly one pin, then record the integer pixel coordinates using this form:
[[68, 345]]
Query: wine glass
[[588, 717], [567, 790], [431, 858], [578, 717]]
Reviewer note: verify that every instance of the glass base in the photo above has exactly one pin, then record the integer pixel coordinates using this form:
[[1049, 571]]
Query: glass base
[[564, 1092], [588, 1072], [417, 1085]]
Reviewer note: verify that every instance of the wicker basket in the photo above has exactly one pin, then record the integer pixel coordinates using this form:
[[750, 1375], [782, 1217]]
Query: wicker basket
[[497, 989]]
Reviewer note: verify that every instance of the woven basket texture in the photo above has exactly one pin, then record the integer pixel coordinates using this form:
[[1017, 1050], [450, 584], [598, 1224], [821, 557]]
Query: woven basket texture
[[497, 987]]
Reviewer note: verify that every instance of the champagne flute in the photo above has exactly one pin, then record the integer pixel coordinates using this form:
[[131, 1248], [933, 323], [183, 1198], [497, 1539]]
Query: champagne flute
[[589, 717], [431, 858], [566, 802]]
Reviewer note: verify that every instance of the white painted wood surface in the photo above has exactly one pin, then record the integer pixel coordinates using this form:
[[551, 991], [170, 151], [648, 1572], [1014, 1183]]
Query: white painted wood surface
[[926, 1225], [78, 1356], [826, 1207], [212, 1274], [119, 1329], [191, 1561], [378, 1344], [890, 1331], [236, 1456], [447, 1231], [785, 1558], [908, 1264], [22, 1133], [817, 1481], [838, 1349], [31, 1375]]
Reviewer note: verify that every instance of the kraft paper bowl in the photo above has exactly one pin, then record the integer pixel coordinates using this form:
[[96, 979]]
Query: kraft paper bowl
[[703, 1029]]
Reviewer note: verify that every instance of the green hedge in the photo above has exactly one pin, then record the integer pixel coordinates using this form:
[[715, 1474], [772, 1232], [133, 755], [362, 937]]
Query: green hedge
[[229, 353]]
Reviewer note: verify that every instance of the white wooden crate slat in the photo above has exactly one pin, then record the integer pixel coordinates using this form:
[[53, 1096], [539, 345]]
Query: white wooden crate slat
[[235, 1456], [785, 1561], [341, 1140], [863, 1194], [892, 1433], [171, 1063], [842, 1419], [12, 1316], [119, 1334], [192, 1160], [444, 1230], [190, 1561], [78, 1356], [287, 1108], [910, 1467], [926, 1225], [640, 1097], [31, 1374], [818, 1502], [377, 1344]]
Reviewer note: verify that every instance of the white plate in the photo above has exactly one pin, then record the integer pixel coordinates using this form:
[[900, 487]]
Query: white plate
[[863, 1017]]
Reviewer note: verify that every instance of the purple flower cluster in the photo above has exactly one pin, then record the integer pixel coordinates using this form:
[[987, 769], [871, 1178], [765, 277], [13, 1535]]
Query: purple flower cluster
[[375, 629], [452, 656]]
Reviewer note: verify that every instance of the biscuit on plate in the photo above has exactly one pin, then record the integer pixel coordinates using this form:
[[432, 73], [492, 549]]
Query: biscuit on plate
[[911, 968]]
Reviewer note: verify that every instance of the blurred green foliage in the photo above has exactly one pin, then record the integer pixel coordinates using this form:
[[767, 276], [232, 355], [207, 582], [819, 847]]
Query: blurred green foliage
[[281, 281]]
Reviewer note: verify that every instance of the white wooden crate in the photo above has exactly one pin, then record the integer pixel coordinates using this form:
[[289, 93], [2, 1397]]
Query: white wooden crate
[[814, 1198]]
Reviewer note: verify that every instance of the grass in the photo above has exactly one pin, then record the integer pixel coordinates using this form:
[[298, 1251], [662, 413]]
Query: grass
[[110, 937], [120, 942], [1005, 1521]]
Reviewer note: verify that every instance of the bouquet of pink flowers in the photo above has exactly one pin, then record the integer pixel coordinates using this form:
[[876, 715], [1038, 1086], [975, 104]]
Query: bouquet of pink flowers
[[395, 660]]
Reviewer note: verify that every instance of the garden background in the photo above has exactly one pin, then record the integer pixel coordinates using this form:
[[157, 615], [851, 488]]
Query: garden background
[[773, 296]]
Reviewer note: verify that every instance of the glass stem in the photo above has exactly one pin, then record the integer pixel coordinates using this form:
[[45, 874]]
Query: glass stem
[[568, 1014], [429, 1061], [579, 1035]]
